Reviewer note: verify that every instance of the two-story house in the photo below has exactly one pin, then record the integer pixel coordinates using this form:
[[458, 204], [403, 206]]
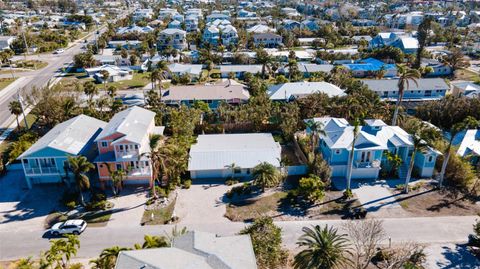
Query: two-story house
[[373, 140], [191, 23], [124, 145], [268, 40], [175, 38], [46, 161]]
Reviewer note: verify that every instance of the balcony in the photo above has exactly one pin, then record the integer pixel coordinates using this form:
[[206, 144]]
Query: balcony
[[127, 154], [144, 171], [40, 171], [372, 164]]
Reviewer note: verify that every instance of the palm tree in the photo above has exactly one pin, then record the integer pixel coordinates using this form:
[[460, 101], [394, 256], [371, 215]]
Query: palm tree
[[356, 130], [117, 177], [163, 69], [316, 129], [232, 168], [154, 77], [15, 108], [265, 175], [394, 161], [153, 241], [264, 59], [421, 139], [108, 258], [406, 74], [79, 165], [455, 60], [469, 122], [157, 160], [105, 75], [324, 249], [60, 252], [90, 90]]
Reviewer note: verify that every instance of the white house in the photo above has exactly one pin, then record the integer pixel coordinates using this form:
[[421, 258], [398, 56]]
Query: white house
[[468, 143], [212, 155], [293, 90], [175, 38], [115, 73], [6, 41]]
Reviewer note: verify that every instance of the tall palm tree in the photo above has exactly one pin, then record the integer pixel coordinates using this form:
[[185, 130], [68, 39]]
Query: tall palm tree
[[162, 67], [351, 155], [264, 59], [117, 177], [316, 129], [90, 90], [108, 258], [265, 175], [79, 165], [469, 122], [153, 241], [157, 160], [421, 138], [406, 74], [324, 249], [154, 77], [105, 75], [15, 108]]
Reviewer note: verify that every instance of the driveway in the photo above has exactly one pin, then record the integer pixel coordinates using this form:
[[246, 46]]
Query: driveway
[[450, 256], [24, 209], [128, 207], [379, 201], [202, 203]]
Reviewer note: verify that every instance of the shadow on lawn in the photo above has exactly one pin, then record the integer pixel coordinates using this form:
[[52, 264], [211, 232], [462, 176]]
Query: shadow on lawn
[[458, 258]]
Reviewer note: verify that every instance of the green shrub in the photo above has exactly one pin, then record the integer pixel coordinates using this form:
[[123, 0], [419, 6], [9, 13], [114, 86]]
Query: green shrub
[[311, 188], [69, 199], [244, 189], [187, 184], [161, 192], [348, 194], [71, 205], [230, 182], [95, 206]]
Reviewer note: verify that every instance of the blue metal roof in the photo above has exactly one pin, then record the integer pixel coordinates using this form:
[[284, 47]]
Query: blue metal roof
[[369, 64]]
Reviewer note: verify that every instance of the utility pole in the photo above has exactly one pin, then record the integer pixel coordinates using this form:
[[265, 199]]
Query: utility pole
[[20, 101], [25, 42], [96, 40]]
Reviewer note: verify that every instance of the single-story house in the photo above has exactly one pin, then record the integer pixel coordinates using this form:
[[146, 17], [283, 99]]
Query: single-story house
[[466, 88], [239, 70], [126, 44], [46, 160], [115, 73], [308, 69], [293, 90], [368, 67], [439, 69], [194, 250], [213, 94], [213, 155], [468, 143], [427, 89], [6, 41], [194, 70]]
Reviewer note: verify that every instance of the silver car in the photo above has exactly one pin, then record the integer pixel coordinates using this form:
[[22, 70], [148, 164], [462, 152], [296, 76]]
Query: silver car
[[74, 226]]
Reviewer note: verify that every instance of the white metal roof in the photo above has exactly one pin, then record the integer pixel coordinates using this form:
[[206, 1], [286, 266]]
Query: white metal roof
[[70, 136], [470, 142], [216, 151], [286, 90]]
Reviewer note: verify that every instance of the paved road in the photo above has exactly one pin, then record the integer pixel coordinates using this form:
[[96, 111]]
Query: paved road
[[22, 243]]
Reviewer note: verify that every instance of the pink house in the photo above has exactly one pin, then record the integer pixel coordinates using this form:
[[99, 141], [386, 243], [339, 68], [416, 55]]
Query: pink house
[[123, 144]]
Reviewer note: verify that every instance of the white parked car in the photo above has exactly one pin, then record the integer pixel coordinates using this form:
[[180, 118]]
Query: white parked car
[[74, 226], [58, 51]]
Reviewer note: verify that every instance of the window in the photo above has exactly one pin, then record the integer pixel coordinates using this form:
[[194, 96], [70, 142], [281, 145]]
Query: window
[[237, 170], [337, 151], [104, 144], [121, 147], [119, 166], [136, 146], [430, 158]]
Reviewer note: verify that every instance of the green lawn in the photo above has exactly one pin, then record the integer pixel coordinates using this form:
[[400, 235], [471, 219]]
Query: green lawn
[[139, 80], [160, 215], [464, 74], [31, 64], [31, 119], [4, 82]]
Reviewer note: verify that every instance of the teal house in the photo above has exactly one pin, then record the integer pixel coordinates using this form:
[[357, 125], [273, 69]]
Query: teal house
[[46, 160]]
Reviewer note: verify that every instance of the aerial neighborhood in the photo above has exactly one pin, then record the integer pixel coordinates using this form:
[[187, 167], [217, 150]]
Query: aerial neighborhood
[[174, 134]]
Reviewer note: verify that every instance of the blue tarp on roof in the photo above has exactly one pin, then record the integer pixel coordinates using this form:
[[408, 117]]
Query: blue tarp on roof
[[369, 64]]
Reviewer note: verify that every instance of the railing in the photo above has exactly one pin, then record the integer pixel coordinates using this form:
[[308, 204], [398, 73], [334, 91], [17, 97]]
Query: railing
[[43, 170], [372, 164], [139, 172], [128, 154]]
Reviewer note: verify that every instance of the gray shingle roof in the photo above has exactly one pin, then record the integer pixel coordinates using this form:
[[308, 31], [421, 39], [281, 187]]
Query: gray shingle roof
[[380, 85]]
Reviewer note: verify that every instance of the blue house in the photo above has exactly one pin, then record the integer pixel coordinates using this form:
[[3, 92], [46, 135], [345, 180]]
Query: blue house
[[374, 139], [290, 25], [368, 67], [310, 25], [46, 160]]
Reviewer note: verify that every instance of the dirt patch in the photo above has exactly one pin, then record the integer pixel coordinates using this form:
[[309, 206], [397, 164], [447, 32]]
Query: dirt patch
[[428, 201], [158, 216], [281, 208]]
